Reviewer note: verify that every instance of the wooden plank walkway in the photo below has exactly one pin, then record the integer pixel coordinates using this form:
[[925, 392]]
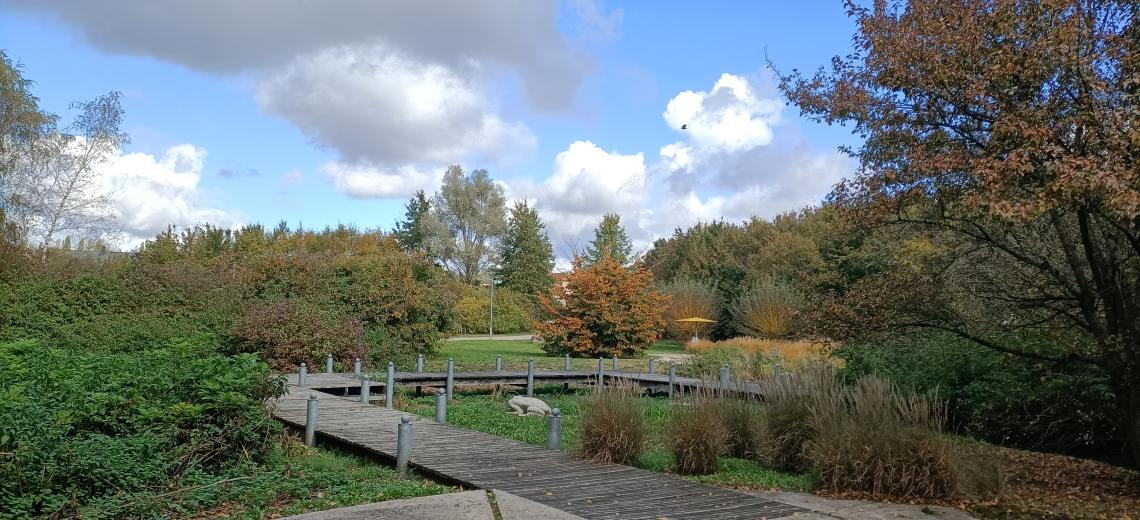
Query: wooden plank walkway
[[559, 480]]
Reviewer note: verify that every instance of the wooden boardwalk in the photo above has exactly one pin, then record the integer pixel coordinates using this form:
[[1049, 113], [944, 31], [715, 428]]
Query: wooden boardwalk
[[346, 384], [556, 479]]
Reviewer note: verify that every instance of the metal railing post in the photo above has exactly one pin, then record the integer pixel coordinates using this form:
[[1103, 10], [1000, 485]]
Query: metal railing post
[[365, 390], [303, 376], [601, 374], [311, 413], [651, 365], [356, 368], [530, 378], [554, 432], [329, 364], [498, 362], [419, 363], [566, 361], [440, 405], [390, 387], [672, 379], [404, 444], [450, 378]]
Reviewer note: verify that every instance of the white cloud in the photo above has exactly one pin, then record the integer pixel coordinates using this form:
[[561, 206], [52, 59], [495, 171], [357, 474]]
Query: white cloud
[[293, 177], [730, 117], [586, 183], [737, 161], [366, 181], [390, 86], [228, 37], [151, 193], [379, 106]]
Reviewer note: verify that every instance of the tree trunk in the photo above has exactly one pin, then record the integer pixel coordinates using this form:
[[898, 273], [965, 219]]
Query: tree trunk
[[1128, 398]]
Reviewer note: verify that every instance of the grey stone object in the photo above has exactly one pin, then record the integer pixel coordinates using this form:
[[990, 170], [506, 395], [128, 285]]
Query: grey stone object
[[652, 366], [419, 363], [498, 362], [329, 364], [356, 368], [303, 376]]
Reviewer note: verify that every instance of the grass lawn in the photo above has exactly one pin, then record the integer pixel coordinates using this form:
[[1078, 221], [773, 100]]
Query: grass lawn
[[480, 355], [297, 479], [485, 413]]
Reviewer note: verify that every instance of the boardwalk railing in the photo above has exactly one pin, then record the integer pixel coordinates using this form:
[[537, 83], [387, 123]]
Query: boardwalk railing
[[358, 383]]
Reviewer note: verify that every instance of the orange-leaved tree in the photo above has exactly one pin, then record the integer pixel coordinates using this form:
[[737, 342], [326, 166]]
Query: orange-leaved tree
[[603, 309]]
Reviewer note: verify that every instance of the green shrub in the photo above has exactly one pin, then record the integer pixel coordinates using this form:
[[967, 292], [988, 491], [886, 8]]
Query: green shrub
[[289, 332], [696, 434], [95, 434], [514, 312], [1014, 402], [613, 425]]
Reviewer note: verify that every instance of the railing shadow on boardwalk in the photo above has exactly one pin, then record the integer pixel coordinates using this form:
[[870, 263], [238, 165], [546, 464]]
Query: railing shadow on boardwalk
[[483, 461]]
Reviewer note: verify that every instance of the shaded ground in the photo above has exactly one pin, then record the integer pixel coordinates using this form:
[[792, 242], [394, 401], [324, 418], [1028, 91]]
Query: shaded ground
[[1041, 485]]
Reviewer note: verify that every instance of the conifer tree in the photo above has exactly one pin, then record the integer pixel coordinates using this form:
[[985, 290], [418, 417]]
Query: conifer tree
[[609, 237], [526, 253]]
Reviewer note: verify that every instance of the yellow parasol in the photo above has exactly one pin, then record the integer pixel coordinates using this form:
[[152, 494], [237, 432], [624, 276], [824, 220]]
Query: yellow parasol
[[695, 321]]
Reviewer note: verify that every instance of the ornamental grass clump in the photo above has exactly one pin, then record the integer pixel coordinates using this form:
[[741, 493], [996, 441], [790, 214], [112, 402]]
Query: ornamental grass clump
[[785, 424], [613, 424], [697, 435], [873, 438], [741, 419]]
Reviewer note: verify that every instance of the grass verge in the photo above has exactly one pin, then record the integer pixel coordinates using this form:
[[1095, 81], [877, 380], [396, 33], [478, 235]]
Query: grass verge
[[488, 414]]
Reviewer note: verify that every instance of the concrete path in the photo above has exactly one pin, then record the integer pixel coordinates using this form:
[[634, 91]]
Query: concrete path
[[484, 337], [476, 505], [467, 505]]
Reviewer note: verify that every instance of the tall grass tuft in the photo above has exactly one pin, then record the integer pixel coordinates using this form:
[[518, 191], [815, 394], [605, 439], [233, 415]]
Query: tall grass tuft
[[873, 438], [697, 434], [613, 424], [742, 420], [785, 425]]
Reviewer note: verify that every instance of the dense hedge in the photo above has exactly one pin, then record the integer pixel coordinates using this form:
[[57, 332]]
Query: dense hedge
[[102, 434], [289, 297], [1002, 399]]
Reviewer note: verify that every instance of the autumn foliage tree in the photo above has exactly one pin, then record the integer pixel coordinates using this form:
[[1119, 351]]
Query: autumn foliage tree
[[603, 309], [1007, 132]]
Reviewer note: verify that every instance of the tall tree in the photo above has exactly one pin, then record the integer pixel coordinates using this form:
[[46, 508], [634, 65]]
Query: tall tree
[[526, 252], [610, 237], [64, 191], [469, 216], [412, 232], [23, 126], [1007, 131], [603, 309]]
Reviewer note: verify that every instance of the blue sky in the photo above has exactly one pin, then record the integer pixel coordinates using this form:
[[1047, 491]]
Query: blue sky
[[323, 116]]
